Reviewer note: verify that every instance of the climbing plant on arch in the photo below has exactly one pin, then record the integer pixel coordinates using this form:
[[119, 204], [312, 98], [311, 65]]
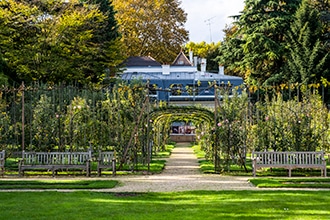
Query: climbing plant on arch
[[201, 117]]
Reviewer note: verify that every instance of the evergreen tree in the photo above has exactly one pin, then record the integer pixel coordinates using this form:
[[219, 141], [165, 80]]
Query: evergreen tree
[[108, 38], [323, 6], [262, 25], [307, 60], [231, 53]]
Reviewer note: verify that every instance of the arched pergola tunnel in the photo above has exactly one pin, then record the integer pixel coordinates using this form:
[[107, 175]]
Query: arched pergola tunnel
[[163, 117], [158, 120], [203, 118]]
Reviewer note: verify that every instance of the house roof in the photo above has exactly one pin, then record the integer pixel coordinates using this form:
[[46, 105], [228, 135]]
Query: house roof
[[179, 76], [181, 60], [141, 61]]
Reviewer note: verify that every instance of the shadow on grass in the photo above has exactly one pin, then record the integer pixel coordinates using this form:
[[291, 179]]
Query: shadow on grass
[[181, 205]]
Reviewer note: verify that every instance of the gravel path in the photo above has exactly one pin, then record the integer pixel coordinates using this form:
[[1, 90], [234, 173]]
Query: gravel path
[[181, 174]]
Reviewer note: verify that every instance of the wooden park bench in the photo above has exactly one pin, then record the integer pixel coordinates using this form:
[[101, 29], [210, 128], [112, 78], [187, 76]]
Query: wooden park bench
[[289, 160], [55, 161], [105, 160], [2, 162]]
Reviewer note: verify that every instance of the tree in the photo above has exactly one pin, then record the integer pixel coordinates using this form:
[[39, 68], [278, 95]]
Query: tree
[[204, 50], [3, 77], [150, 27], [15, 31], [323, 6], [262, 25], [230, 52], [55, 41], [108, 38], [307, 60]]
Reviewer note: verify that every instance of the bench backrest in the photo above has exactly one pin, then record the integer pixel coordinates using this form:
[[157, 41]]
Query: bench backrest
[[2, 158], [56, 158], [106, 157], [311, 158]]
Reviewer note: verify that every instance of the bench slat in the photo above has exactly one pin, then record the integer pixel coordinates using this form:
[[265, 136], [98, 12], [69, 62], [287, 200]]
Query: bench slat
[[106, 159], [55, 161], [289, 160]]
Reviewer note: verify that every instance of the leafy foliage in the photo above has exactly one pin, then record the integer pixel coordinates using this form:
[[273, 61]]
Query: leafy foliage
[[273, 42], [52, 41], [231, 130], [204, 50], [262, 25], [290, 125], [151, 27], [63, 118], [67, 118], [231, 53], [307, 60]]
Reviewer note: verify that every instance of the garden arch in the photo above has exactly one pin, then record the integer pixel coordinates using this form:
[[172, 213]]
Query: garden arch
[[193, 113], [161, 119]]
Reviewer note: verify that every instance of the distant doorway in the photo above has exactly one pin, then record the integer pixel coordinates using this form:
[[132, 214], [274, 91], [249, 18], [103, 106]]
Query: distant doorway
[[182, 131]]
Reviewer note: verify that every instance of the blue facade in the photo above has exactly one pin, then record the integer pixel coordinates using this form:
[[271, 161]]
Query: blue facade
[[179, 82], [182, 86]]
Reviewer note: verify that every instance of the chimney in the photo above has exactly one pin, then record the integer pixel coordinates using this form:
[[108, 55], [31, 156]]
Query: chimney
[[195, 60], [203, 65], [191, 57], [221, 70], [166, 69]]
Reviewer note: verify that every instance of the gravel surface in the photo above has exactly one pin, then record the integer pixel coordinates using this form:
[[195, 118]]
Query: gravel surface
[[181, 174]]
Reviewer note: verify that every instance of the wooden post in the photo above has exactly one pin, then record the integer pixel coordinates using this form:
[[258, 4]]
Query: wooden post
[[325, 167], [88, 168], [23, 118], [216, 140], [148, 129], [113, 166], [254, 164]]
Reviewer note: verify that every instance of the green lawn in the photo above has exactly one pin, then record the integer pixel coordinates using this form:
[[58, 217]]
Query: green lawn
[[170, 206], [291, 182], [57, 184]]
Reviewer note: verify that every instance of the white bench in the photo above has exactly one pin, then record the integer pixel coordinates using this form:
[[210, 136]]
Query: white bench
[[2, 162], [289, 160], [55, 160], [105, 160]]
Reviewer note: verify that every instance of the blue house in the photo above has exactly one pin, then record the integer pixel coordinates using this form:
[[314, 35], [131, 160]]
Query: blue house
[[180, 81]]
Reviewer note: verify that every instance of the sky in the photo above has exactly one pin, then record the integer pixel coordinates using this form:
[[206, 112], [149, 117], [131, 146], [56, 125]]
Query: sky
[[206, 19]]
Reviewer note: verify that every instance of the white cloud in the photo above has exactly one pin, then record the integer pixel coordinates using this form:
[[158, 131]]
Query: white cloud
[[209, 16]]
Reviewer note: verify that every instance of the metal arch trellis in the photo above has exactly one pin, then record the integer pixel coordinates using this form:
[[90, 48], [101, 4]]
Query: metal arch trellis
[[189, 111], [194, 114]]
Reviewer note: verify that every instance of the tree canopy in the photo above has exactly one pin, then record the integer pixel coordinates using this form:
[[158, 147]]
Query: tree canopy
[[150, 27], [263, 24], [205, 50], [307, 59], [274, 42], [57, 41]]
